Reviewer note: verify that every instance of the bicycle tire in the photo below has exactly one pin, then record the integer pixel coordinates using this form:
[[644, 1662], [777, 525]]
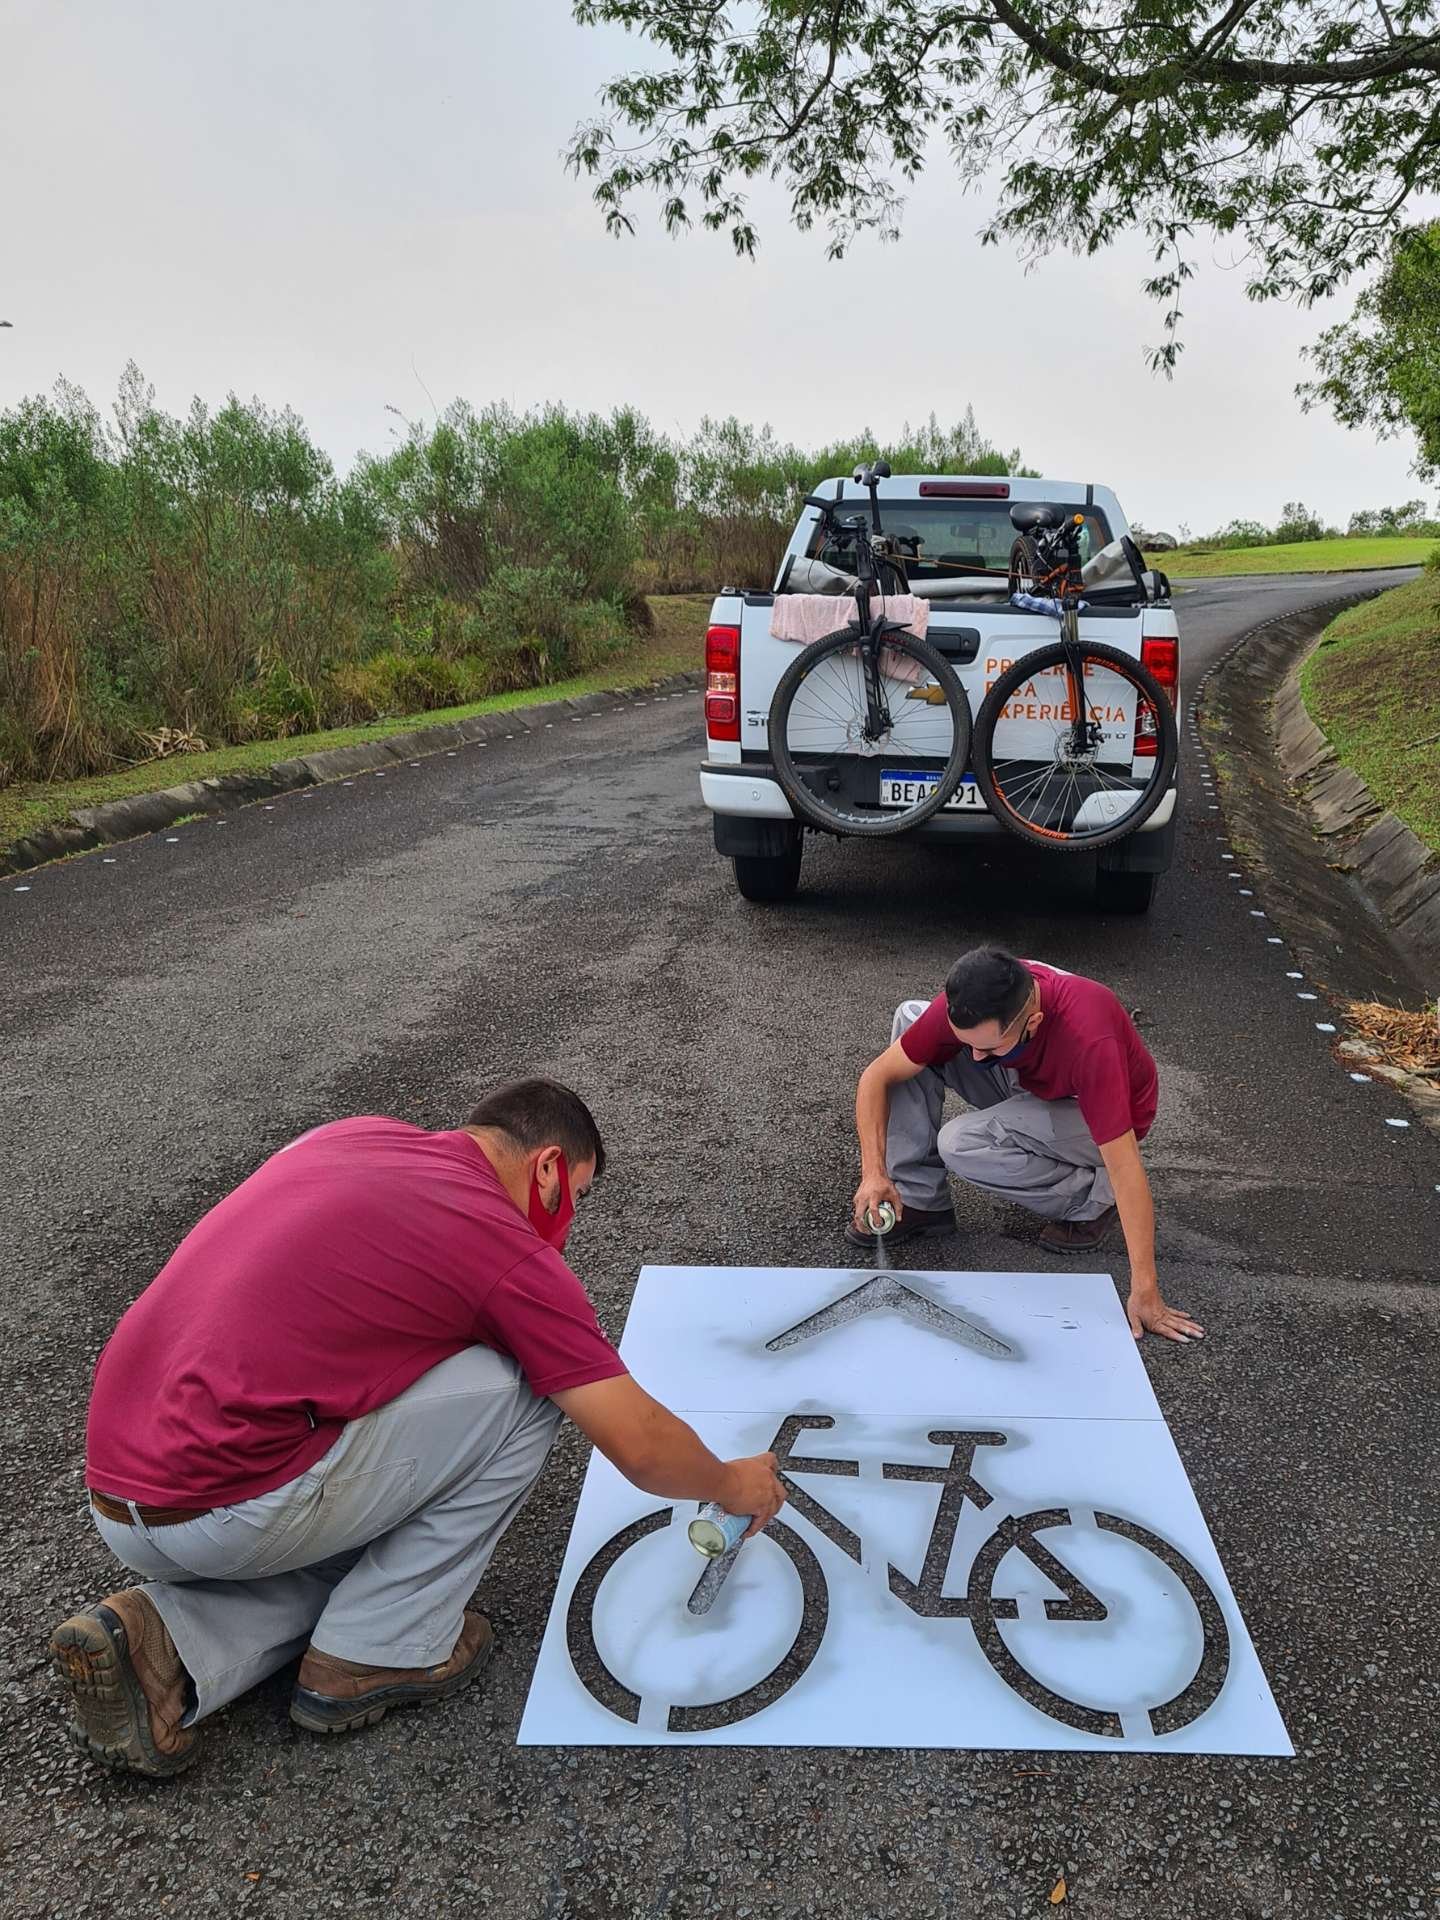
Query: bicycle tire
[[1030, 782], [829, 786]]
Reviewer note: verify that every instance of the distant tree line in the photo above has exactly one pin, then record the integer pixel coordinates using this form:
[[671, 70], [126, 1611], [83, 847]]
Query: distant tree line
[[1297, 524]]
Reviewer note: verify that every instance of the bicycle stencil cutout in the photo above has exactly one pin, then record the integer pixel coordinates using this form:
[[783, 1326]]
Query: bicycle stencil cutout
[[986, 1578]]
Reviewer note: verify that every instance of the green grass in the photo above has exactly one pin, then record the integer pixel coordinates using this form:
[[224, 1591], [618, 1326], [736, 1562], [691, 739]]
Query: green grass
[[1306, 556], [676, 645], [1373, 686]]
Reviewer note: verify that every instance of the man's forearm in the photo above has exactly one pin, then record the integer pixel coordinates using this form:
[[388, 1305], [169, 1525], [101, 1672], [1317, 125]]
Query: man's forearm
[[872, 1120], [672, 1461], [1137, 1220]]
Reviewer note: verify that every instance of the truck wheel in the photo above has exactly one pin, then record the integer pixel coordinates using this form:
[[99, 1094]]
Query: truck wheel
[[766, 877], [1124, 892]]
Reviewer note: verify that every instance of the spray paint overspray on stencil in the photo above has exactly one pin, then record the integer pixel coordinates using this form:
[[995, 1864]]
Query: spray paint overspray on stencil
[[982, 1574]]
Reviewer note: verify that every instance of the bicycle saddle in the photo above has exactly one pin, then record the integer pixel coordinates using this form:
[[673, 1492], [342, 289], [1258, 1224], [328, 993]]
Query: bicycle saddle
[[1026, 516]]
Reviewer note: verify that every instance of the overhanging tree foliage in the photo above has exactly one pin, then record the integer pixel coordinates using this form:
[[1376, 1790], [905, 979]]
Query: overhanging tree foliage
[[1381, 368], [1295, 129]]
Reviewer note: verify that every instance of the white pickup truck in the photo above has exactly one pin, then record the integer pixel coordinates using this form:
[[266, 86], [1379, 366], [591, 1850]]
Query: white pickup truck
[[964, 534]]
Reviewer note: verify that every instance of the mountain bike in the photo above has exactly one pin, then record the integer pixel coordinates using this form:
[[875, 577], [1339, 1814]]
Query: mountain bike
[[1076, 743], [869, 693], [1039, 1537]]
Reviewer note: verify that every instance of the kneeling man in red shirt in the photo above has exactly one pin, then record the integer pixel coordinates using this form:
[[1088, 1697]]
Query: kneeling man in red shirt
[[1062, 1091], [310, 1431]]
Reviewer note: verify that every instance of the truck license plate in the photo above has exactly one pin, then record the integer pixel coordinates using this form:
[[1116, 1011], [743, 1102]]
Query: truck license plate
[[907, 789]]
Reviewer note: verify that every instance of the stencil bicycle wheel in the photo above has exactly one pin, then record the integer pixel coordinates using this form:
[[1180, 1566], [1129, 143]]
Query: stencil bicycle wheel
[[1128, 1712], [648, 1570]]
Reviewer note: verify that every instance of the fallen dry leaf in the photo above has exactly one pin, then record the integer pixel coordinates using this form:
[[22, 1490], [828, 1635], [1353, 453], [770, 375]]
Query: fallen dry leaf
[[1058, 1891]]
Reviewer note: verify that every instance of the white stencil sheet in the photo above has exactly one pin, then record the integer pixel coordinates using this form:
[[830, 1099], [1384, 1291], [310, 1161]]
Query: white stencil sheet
[[980, 1549]]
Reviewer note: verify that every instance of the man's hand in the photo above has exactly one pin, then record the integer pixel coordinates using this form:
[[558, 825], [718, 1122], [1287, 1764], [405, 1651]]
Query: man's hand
[[1148, 1313], [874, 1188], [657, 1451], [750, 1486]]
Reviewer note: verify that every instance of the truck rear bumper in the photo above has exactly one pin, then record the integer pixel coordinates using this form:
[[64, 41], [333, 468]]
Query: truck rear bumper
[[752, 793]]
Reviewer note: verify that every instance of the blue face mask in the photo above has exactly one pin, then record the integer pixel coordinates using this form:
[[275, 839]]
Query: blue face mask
[[1004, 1059]]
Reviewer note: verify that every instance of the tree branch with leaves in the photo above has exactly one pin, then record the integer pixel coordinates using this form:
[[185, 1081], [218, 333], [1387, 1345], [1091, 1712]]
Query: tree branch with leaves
[[1294, 131]]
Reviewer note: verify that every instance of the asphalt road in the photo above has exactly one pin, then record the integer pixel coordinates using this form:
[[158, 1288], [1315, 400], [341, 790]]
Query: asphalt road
[[178, 1008]]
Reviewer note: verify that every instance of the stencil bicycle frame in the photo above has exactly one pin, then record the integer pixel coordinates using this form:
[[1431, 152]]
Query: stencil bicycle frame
[[979, 1605], [1090, 784]]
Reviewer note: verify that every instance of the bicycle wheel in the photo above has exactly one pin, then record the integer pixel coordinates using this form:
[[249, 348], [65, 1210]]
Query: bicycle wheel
[[660, 1616], [1041, 785], [1080, 1604], [843, 774]]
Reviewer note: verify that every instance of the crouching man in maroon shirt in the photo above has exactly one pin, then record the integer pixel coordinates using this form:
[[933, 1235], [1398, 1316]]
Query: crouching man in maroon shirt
[[310, 1431], [1062, 1090]]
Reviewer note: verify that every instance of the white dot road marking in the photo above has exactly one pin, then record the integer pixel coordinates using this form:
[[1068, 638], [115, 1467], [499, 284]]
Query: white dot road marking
[[20, 889], [1257, 913], [108, 861], [1323, 1026], [1273, 940], [172, 840], [450, 752], [1227, 856], [1397, 1123], [1366, 1077], [1307, 996], [1247, 893]]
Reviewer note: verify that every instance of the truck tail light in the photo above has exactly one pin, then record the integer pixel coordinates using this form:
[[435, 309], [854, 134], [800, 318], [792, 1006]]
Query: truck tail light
[[722, 683], [1162, 657], [964, 489]]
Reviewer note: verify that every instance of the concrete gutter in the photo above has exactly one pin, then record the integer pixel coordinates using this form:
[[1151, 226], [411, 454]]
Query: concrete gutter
[[1399, 873], [89, 827]]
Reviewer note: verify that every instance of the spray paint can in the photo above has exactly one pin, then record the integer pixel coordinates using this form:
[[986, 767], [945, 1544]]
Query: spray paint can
[[880, 1222], [713, 1531]]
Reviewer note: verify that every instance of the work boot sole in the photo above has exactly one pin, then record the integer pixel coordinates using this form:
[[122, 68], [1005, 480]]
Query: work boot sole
[[91, 1655], [322, 1713]]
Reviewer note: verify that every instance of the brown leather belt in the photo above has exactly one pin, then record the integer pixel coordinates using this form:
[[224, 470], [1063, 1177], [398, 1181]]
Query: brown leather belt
[[114, 1509]]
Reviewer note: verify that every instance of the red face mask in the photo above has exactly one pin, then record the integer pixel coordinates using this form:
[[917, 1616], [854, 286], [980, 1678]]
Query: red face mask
[[553, 1228]]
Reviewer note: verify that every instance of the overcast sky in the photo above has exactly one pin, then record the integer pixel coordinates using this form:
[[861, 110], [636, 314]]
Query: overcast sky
[[337, 206]]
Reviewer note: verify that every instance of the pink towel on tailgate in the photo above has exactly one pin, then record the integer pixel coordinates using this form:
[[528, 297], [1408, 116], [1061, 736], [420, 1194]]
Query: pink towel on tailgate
[[807, 617]]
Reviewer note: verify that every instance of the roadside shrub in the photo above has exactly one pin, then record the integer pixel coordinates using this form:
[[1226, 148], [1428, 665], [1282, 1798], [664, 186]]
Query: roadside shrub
[[537, 627], [210, 578]]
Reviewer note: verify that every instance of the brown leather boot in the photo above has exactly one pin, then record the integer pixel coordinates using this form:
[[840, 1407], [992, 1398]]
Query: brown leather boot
[[1079, 1236], [127, 1685], [333, 1695]]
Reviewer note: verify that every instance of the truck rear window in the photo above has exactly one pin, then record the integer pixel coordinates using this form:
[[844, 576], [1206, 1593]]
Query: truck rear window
[[956, 536]]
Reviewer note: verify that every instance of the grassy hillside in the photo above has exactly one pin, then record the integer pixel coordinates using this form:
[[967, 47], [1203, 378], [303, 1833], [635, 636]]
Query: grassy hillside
[[1373, 686], [1306, 556]]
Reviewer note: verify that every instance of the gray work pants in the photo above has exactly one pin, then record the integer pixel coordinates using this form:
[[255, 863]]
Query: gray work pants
[[372, 1554], [1012, 1145]]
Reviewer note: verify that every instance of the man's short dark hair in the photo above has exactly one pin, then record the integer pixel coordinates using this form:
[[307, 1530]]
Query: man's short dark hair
[[542, 1113], [986, 984]]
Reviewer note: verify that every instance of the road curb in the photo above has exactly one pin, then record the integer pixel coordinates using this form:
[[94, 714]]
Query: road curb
[[141, 813], [1399, 873], [1308, 819]]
